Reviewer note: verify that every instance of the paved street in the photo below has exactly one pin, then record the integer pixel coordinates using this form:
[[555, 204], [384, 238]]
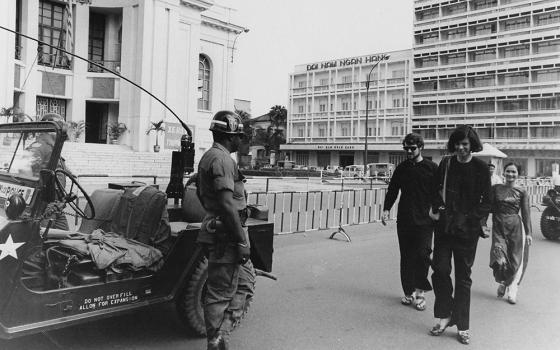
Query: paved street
[[337, 295]]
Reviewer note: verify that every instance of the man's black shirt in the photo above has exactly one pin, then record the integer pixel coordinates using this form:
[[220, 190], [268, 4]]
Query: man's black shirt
[[416, 182]]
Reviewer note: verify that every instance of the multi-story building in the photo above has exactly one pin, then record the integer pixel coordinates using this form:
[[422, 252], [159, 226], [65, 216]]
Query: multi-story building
[[327, 109], [181, 51], [493, 64]]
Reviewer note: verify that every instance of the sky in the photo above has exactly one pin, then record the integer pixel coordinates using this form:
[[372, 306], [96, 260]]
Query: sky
[[286, 33]]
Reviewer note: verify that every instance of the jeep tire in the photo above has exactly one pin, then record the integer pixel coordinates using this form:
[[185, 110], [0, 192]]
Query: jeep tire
[[550, 229], [190, 300]]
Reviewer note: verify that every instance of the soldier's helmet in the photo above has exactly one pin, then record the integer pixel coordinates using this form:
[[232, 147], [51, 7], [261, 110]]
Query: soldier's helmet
[[227, 122]]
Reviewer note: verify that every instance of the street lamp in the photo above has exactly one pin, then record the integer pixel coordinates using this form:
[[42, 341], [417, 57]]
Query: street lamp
[[246, 30], [367, 115]]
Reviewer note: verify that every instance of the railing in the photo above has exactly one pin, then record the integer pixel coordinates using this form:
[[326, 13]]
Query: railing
[[60, 60], [302, 211], [112, 65]]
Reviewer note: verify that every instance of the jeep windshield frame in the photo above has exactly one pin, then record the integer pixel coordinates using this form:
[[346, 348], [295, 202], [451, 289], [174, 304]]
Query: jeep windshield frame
[[16, 143]]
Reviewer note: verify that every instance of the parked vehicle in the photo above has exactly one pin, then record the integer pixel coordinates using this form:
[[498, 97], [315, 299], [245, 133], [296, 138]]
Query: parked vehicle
[[333, 169], [286, 164], [49, 281], [550, 217], [356, 170], [381, 170]]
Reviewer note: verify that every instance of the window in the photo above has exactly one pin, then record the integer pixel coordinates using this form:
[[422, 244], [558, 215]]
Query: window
[[453, 58], [427, 38], [96, 40], [332, 107], [52, 26], [301, 109], [322, 107], [551, 46], [548, 18], [322, 132], [546, 103], [484, 29], [345, 106], [481, 107], [425, 62], [483, 4], [547, 75], [302, 158], [425, 86], [324, 81], [517, 23], [204, 78], [481, 81], [427, 134], [453, 108], [425, 110], [346, 79], [397, 102], [300, 132], [397, 129], [485, 133], [454, 9], [516, 51], [544, 166], [513, 106], [456, 33], [344, 130], [427, 14], [483, 55], [449, 84], [515, 78], [301, 84], [545, 132], [50, 105], [512, 133]]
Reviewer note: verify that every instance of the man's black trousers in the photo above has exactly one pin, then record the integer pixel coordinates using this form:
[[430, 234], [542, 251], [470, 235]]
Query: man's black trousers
[[415, 244], [448, 304]]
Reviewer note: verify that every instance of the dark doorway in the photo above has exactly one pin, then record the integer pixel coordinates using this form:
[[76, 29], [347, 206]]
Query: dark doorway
[[97, 115], [324, 159], [346, 159]]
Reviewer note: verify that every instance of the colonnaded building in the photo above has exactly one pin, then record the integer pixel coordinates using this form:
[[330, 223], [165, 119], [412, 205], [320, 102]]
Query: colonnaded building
[[328, 103], [180, 50], [493, 64]]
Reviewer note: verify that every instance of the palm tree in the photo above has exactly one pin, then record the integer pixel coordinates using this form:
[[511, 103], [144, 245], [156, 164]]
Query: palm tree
[[278, 115], [157, 127]]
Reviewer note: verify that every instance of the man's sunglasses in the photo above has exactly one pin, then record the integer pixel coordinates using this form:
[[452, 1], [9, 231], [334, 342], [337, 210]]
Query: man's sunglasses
[[410, 148]]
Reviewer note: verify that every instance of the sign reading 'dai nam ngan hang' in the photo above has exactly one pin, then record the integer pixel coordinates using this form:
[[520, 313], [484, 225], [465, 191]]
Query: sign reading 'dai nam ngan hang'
[[348, 62]]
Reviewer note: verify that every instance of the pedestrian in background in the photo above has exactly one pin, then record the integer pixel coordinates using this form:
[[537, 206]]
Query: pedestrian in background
[[414, 178], [462, 207], [494, 178], [511, 234], [220, 188]]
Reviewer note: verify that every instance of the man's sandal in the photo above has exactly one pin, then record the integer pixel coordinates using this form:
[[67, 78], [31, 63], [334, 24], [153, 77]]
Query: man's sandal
[[420, 303], [464, 337], [438, 330], [407, 300]]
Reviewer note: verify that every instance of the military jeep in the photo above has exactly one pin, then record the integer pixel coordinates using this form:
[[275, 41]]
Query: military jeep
[[49, 283]]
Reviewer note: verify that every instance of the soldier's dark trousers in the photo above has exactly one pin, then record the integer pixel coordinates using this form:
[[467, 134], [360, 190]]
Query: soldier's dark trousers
[[415, 245], [230, 288], [447, 304]]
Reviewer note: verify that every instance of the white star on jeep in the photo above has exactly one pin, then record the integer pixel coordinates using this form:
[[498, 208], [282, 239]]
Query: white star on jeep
[[9, 248]]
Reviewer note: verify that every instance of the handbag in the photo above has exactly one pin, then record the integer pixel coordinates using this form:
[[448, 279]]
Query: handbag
[[437, 216]]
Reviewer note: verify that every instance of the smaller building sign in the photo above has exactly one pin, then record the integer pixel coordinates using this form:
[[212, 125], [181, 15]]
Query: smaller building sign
[[173, 133], [348, 62]]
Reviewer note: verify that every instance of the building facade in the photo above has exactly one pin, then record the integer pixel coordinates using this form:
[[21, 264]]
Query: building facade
[[179, 50], [493, 64], [328, 104]]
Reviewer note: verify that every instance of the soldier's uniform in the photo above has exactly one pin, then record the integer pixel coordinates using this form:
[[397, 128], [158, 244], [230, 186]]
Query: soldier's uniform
[[230, 285]]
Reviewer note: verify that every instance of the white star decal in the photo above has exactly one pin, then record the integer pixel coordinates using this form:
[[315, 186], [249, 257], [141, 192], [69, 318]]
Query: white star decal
[[9, 248]]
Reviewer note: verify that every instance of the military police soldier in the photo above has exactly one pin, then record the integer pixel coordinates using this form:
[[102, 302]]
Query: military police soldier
[[220, 187]]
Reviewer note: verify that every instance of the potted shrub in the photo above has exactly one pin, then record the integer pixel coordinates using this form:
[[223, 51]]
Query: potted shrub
[[75, 130], [157, 127], [115, 131]]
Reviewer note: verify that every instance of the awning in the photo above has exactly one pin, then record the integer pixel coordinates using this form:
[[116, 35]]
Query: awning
[[490, 151]]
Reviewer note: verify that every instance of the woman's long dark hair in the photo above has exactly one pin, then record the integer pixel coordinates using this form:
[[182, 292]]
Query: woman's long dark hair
[[464, 132]]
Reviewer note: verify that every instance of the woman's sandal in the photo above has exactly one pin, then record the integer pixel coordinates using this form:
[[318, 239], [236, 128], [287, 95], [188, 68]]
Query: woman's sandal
[[407, 300], [438, 330], [501, 291], [464, 337], [420, 303]]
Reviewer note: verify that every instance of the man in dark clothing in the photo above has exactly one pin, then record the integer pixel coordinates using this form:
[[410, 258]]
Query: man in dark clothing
[[415, 179], [463, 204]]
